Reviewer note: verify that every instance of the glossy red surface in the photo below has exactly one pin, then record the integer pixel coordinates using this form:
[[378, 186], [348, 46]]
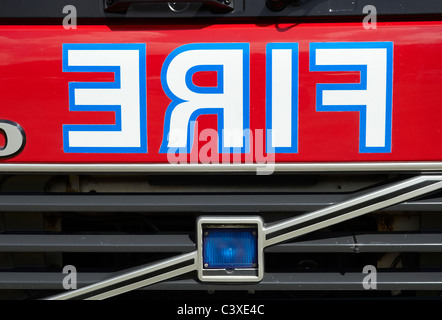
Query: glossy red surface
[[34, 88]]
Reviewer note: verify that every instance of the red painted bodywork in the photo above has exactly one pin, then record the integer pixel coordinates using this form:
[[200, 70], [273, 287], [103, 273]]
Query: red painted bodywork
[[34, 89]]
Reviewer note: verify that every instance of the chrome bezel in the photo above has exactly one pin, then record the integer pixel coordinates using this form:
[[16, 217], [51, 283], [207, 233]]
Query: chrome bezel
[[236, 275]]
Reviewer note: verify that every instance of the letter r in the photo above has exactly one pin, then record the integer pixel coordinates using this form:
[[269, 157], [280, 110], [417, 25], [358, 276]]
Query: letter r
[[229, 99]]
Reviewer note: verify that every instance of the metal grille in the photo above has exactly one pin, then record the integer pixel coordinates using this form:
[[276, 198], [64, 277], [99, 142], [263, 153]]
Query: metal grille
[[103, 234]]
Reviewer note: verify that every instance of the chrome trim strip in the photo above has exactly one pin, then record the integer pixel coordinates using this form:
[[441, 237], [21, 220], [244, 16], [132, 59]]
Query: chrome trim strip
[[424, 166], [127, 280]]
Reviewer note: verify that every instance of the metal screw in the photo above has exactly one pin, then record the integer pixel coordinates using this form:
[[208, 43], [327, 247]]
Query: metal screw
[[227, 2], [206, 265], [177, 6], [206, 233]]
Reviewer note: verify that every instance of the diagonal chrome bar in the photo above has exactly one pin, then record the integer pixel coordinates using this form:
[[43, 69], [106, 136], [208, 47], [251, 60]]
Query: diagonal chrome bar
[[133, 279], [274, 233], [376, 200]]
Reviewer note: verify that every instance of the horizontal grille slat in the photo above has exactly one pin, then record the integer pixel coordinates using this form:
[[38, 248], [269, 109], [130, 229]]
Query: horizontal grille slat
[[400, 242], [190, 203], [96, 243], [165, 202], [271, 281], [319, 281]]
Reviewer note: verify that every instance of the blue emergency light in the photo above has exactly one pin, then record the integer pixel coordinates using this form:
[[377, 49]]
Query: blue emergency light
[[230, 248]]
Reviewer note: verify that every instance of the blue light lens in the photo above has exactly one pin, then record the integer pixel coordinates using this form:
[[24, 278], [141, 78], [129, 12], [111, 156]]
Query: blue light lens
[[230, 248]]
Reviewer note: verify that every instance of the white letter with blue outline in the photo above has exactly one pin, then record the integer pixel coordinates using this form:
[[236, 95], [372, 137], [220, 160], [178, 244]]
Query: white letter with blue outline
[[229, 99], [126, 97], [372, 97], [282, 97]]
